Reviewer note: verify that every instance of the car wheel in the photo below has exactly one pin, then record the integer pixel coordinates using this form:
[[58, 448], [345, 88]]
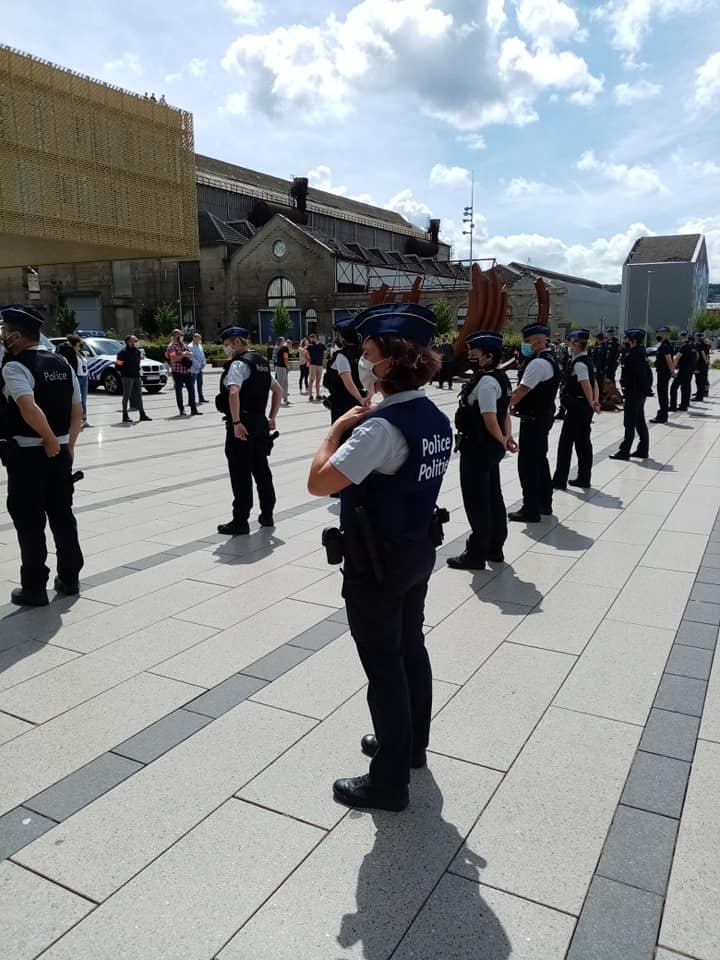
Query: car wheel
[[112, 382], [153, 389]]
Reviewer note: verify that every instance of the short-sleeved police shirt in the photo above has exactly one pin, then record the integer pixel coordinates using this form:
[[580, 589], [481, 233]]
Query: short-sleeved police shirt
[[486, 394], [19, 382]]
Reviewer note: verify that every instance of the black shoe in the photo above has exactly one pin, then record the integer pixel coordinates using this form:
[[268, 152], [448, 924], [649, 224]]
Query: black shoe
[[196, 413], [496, 556], [639, 455], [682, 409], [203, 400], [70, 588], [266, 520], [658, 420], [619, 456], [369, 746], [465, 562], [577, 482], [29, 598], [556, 485], [126, 419], [672, 409], [359, 792], [144, 416], [182, 413], [234, 529], [546, 511], [520, 517]]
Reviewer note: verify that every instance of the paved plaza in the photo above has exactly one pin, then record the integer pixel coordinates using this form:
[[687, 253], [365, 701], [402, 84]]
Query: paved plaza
[[170, 738]]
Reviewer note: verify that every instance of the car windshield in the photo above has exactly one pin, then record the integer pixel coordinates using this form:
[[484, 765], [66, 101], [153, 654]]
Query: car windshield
[[103, 345]]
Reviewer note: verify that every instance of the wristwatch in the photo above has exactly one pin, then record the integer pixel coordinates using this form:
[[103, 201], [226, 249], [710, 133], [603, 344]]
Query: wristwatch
[[236, 422]]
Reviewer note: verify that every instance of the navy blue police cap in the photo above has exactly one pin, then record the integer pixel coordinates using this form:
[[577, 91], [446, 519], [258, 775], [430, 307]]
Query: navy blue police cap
[[579, 335], [347, 328], [683, 333], [663, 329], [408, 320], [634, 334], [484, 340], [599, 335], [611, 329], [229, 332], [532, 328], [24, 318]]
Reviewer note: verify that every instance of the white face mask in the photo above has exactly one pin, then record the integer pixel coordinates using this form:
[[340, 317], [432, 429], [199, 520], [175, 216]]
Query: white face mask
[[228, 351], [366, 374]]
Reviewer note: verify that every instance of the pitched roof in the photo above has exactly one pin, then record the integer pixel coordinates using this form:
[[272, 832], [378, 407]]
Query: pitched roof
[[212, 231], [552, 275], [279, 188], [673, 249]]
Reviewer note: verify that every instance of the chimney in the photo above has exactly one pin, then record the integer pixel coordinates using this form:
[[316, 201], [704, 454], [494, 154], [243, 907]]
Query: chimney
[[434, 230], [299, 191]]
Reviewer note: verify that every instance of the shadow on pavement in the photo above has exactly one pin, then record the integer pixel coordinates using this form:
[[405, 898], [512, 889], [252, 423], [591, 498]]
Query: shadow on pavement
[[399, 873], [27, 629]]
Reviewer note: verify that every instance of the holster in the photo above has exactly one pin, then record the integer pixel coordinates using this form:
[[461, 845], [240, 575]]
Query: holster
[[441, 516]]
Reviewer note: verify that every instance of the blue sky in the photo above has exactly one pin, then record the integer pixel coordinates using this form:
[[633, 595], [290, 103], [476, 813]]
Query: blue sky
[[586, 124]]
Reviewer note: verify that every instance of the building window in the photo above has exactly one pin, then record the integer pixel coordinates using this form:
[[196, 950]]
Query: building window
[[462, 313], [281, 293]]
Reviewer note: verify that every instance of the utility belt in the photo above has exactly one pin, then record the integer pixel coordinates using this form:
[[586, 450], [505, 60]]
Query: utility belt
[[10, 450], [364, 550], [268, 440]]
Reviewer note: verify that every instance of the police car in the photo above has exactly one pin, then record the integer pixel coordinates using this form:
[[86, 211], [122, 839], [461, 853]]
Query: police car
[[101, 352]]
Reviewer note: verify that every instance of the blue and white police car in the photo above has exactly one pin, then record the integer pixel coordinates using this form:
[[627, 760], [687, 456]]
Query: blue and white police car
[[101, 352]]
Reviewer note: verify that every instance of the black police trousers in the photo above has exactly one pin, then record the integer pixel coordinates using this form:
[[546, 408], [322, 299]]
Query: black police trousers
[[575, 432], [248, 460], [483, 500], [533, 466], [634, 421], [40, 489], [662, 387], [386, 621], [683, 383], [701, 382]]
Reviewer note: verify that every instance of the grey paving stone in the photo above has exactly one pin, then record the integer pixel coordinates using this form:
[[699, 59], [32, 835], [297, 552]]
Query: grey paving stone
[[158, 738], [144, 563], [681, 694], [320, 635], [617, 921], [340, 616], [639, 849], [275, 664], [693, 634], [656, 784], [20, 827], [670, 734], [80, 788], [711, 561], [705, 592], [225, 695], [712, 549], [708, 575], [689, 662], [702, 612]]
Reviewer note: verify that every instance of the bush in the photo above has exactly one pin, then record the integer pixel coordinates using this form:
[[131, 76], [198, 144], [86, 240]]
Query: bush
[[166, 319], [65, 320], [511, 343]]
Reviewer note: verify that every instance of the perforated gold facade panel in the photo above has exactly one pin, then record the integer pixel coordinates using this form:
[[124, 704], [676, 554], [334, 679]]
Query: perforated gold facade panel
[[89, 171]]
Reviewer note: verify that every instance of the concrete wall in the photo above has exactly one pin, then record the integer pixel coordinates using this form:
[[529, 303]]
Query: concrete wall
[[671, 295]]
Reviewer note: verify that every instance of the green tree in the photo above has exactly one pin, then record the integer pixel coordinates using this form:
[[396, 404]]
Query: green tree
[[282, 324], [707, 320], [444, 318], [166, 318], [66, 322], [147, 321]]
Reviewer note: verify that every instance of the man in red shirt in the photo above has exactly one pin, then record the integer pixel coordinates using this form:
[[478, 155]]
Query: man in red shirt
[[180, 359]]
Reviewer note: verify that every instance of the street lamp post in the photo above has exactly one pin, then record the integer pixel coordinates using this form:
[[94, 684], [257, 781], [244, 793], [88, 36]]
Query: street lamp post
[[468, 215], [647, 305]]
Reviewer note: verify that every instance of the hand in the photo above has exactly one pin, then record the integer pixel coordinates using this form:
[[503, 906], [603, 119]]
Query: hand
[[511, 446], [71, 451], [271, 423], [365, 401], [349, 420], [596, 407], [52, 446], [239, 432]]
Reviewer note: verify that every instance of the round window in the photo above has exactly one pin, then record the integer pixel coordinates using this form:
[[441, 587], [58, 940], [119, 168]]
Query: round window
[[279, 249]]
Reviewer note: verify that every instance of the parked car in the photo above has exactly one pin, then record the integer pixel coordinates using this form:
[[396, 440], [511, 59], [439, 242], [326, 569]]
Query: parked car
[[102, 372]]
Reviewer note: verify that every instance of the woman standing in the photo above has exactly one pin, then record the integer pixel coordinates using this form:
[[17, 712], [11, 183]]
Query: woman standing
[[389, 472], [72, 351], [484, 434], [304, 364]]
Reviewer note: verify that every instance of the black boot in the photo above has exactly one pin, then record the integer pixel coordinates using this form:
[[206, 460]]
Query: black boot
[[29, 598], [619, 456], [465, 561], [71, 588], [359, 792], [236, 528], [519, 516]]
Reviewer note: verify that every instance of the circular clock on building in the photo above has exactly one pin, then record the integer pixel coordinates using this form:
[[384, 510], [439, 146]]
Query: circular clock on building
[[279, 249]]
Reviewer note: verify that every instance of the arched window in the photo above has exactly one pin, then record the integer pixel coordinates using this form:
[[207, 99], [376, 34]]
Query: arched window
[[281, 292]]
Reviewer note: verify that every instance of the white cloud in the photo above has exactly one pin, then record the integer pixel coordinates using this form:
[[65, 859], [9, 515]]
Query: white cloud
[[473, 141], [630, 20], [710, 226], [236, 104], [198, 67], [320, 177], [640, 181], [458, 66], [707, 86], [549, 22], [172, 77], [127, 63], [705, 168], [246, 11], [629, 93], [444, 176], [519, 188], [404, 203]]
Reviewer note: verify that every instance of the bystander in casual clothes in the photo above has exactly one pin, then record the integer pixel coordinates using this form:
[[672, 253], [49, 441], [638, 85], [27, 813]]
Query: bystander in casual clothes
[[180, 359], [199, 362], [316, 355], [128, 362], [282, 358], [304, 365]]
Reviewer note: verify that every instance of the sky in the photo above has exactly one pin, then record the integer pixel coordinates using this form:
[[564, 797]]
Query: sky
[[584, 125]]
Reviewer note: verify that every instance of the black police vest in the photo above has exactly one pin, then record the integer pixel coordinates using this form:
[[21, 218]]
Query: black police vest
[[333, 382], [254, 391], [53, 393], [663, 351], [572, 391], [468, 418], [540, 401], [400, 506]]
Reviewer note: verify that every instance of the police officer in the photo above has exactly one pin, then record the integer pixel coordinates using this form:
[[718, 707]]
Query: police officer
[[600, 357], [701, 368], [484, 434], [534, 402], [389, 472], [342, 380], [245, 385], [563, 355], [685, 360], [42, 418], [581, 399], [613, 354], [636, 383], [664, 372]]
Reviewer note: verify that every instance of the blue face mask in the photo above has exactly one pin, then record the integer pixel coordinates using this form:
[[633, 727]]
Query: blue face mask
[[526, 350]]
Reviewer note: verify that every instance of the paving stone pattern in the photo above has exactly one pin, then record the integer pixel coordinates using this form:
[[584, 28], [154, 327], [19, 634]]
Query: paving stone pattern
[[168, 741]]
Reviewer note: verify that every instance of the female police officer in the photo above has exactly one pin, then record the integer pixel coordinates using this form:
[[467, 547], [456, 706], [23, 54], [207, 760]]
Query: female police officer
[[389, 472], [484, 434]]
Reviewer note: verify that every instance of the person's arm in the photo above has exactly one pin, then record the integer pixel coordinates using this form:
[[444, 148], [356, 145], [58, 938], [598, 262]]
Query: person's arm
[[493, 428], [75, 427], [234, 402], [518, 393], [276, 395], [120, 359], [351, 388], [324, 478], [510, 444], [670, 364], [37, 421]]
